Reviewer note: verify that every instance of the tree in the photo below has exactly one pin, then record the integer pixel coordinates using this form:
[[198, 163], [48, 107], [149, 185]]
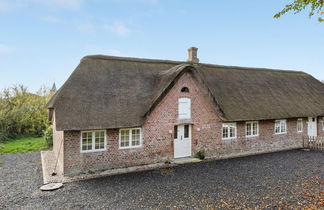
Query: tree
[[315, 6], [22, 112]]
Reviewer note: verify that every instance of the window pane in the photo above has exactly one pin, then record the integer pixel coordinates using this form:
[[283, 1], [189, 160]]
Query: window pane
[[87, 141], [186, 131], [248, 129], [124, 138], [283, 127], [299, 125], [175, 132], [225, 132], [136, 135], [99, 140], [232, 132], [255, 129], [277, 128]]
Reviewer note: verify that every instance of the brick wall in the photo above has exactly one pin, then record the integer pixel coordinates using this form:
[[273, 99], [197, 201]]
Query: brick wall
[[266, 141], [320, 126], [158, 141]]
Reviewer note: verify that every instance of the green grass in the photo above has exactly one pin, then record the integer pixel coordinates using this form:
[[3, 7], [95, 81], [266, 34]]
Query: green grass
[[23, 144]]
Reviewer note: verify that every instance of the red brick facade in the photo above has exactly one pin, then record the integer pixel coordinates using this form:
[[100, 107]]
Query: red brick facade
[[158, 131], [320, 126]]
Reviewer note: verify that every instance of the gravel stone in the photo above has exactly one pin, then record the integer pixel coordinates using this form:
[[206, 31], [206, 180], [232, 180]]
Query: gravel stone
[[291, 179]]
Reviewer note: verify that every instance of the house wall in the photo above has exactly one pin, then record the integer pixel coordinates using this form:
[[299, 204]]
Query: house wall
[[320, 126], [266, 141], [57, 145], [158, 141]]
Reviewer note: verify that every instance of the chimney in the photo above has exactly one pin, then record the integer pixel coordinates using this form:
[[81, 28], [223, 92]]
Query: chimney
[[192, 55]]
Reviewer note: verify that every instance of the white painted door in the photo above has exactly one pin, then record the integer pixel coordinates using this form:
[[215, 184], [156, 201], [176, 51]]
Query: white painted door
[[312, 126], [182, 141]]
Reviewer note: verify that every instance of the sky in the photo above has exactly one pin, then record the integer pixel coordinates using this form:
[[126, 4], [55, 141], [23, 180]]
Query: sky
[[42, 41]]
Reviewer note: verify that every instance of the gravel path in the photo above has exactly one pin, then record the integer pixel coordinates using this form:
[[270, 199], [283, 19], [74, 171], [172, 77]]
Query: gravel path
[[285, 179]]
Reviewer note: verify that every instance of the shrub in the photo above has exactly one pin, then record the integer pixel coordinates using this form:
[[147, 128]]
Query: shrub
[[48, 136], [200, 154], [22, 112]]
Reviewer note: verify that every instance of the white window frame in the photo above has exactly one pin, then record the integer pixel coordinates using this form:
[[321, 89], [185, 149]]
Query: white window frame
[[281, 132], [188, 114], [302, 125], [322, 123], [228, 125], [130, 138], [257, 129], [94, 141]]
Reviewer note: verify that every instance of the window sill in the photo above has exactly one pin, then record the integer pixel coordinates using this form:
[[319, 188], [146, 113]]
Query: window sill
[[227, 139], [134, 147], [279, 133], [91, 151], [252, 136]]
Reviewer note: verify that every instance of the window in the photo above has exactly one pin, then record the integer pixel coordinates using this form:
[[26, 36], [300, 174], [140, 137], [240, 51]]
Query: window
[[186, 131], [92, 141], [229, 131], [252, 129], [280, 126], [184, 108], [175, 132], [300, 125], [130, 138], [185, 90]]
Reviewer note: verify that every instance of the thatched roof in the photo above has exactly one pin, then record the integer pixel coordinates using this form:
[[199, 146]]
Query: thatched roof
[[114, 92]]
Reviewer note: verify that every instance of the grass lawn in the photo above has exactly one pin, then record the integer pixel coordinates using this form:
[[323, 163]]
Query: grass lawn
[[23, 144]]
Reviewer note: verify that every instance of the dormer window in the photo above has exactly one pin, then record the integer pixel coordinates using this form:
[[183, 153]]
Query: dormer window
[[185, 90]]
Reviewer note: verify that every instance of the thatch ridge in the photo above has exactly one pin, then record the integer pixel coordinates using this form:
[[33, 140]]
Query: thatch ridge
[[149, 60]]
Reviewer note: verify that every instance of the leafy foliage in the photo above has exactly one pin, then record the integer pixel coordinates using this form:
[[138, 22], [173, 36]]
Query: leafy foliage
[[22, 112], [48, 136], [200, 154], [297, 6]]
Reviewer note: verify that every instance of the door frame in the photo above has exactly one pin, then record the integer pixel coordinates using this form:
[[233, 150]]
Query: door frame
[[310, 120], [180, 134]]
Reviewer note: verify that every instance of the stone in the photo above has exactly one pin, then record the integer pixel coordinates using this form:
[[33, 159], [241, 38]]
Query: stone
[[51, 186]]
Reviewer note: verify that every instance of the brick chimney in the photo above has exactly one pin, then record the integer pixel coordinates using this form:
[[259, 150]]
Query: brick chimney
[[192, 55]]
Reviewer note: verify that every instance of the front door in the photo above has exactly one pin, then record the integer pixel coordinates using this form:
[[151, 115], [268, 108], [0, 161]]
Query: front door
[[312, 126], [182, 141]]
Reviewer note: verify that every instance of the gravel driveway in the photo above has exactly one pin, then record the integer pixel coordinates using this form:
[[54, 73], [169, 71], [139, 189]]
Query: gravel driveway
[[285, 179]]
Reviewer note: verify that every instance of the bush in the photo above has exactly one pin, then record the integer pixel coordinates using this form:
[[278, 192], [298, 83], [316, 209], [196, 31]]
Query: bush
[[3, 137], [22, 112], [48, 136], [201, 154]]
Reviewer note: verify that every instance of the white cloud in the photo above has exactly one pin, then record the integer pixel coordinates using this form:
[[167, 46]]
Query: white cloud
[[118, 27], [5, 49]]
